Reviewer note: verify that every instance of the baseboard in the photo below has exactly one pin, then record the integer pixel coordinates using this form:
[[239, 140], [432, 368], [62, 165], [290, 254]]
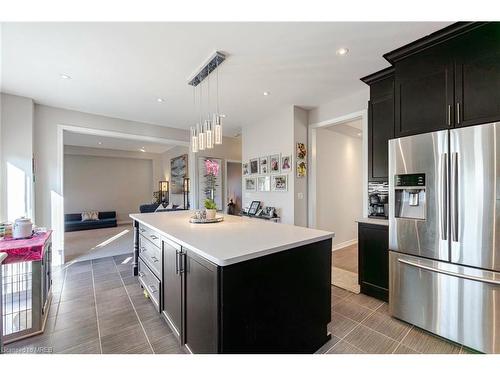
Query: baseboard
[[344, 244], [124, 222]]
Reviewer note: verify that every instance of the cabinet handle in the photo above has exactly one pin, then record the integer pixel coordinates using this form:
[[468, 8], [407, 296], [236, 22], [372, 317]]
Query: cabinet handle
[[155, 259], [177, 262], [449, 114], [152, 288], [141, 274], [458, 113], [142, 230], [142, 249], [153, 237], [183, 263]]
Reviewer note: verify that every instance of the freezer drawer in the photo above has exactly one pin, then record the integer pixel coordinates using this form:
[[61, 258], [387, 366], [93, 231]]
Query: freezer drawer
[[459, 303]]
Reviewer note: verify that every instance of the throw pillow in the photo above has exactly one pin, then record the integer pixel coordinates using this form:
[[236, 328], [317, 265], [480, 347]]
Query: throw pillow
[[160, 208], [90, 215]]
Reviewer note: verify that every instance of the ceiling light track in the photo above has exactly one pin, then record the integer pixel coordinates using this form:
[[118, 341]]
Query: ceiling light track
[[215, 60]]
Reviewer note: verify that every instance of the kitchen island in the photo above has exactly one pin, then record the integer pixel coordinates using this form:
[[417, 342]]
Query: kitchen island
[[239, 286]]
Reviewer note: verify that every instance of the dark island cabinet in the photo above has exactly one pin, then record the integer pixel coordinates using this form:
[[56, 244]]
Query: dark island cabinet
[[201, 281], [380, 122], [172, 285], [373, 258]]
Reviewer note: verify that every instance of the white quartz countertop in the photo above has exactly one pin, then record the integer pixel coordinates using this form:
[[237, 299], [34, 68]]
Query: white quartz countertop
[[234, 240], [369, 220]]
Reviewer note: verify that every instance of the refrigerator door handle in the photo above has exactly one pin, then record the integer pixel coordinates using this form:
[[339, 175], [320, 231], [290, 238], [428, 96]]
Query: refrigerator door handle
[[444, 196], [449, 273], [454, 196]]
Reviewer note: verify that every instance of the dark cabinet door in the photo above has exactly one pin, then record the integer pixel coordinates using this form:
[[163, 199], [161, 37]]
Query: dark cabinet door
[[424, 92], [380, 130], [373, 258], [478, 76], [201, 285], [172, 286]]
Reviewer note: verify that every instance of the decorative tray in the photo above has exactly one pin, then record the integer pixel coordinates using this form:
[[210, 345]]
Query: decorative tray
[[194, 220]]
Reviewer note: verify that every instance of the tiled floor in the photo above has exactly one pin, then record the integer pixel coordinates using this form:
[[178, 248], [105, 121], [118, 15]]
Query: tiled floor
[[98, 307], [346, 258], [361, 324]]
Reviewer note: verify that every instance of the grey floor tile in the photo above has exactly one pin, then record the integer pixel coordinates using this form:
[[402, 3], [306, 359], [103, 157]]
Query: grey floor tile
[[343, 347], [87, 347], [391, 327], [115, 322], [65, 322], [352, 310], [130, 280], [370, 341], [107, 285], [40, 344], [114, 304], [155, 327], [71, 337], [118, 259], [102, 260], [339, 292], [106, 277], [384, 309], [402, 349], [341, 325], [125, 340], [107, 294], [83, 313], [365, 301], [167, 345], [423, 342], [466, 350]]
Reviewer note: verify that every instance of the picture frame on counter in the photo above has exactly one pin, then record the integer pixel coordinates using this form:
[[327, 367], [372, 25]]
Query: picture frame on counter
[[274, 163], [264, 183], [254, 166], [250, 184], [254, 207], [264, 165], [286, 163], [245, 169], [279, 183]]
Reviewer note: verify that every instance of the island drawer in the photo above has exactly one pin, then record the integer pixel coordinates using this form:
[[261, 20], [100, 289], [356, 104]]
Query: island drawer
[[150, 282], [151, 255], [150, 234]]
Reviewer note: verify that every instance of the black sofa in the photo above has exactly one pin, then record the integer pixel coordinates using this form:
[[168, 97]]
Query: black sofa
[[73, 222]]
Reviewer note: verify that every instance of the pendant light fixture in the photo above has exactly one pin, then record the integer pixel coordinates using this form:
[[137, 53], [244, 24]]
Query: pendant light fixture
[[208, 132]]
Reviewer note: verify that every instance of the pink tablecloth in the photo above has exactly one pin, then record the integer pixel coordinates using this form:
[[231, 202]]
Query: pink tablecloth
[[24, 250]]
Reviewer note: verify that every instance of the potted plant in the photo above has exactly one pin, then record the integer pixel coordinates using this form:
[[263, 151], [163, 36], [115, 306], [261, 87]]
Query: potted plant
[[210, 208]]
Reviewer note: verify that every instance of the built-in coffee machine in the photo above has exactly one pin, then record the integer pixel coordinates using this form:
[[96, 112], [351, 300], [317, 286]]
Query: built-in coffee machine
[[378, 204]]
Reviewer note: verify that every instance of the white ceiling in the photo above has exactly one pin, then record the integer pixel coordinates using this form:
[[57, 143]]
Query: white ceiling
[[89, 140], [351, 128], [120, 69]]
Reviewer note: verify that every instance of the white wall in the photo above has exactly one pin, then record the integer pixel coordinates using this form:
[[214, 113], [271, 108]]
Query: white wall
[[339, 107], [273, 135], [16, 147], [339, 189], [104, 183], [166, 158], [156, 160]]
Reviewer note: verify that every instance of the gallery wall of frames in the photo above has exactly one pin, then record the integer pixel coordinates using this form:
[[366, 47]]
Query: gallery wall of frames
[[271, 173]]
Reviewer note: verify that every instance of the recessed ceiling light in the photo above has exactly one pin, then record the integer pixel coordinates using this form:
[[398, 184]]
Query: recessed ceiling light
[[142, 149], [342, 51], [100, 143], [222, 116], [65, 76], [359, 134], [266, 93], [160, 100]]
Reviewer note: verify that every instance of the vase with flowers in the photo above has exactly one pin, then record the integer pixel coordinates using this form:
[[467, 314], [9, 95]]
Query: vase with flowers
[[211, 173]]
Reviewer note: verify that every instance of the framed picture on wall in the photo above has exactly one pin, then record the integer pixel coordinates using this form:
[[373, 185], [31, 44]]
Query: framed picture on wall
[[250, 184], [279, 183], [264, 183], [301, 151], [301, 169], [245, 169], [254, 166], [274, 163], [178, 170], [264, 165], [286, 163]]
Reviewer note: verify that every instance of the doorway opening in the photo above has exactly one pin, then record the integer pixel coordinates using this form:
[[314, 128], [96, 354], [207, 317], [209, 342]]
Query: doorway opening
[[233, 186]]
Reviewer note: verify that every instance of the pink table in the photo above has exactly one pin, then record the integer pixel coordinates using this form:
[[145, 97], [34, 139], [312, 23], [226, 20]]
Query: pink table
[[24, 250]]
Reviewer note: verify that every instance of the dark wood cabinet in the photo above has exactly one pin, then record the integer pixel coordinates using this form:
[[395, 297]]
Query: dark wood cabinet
[[424, 92], [373, 258], [201, 281], [477, 76], [380, 122], [172, 286]]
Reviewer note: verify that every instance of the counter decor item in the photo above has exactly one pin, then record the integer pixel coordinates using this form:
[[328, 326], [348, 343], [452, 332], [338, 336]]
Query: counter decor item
[[22, 228], [210, 209], [254, 207], [209, 181], [200, 217]]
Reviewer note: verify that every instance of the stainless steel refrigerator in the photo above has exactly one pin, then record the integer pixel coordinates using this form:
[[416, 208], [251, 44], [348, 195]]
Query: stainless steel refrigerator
[[444, 238]]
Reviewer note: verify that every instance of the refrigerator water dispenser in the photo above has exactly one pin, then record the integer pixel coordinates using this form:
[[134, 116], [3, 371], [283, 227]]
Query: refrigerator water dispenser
[[409, 191]]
